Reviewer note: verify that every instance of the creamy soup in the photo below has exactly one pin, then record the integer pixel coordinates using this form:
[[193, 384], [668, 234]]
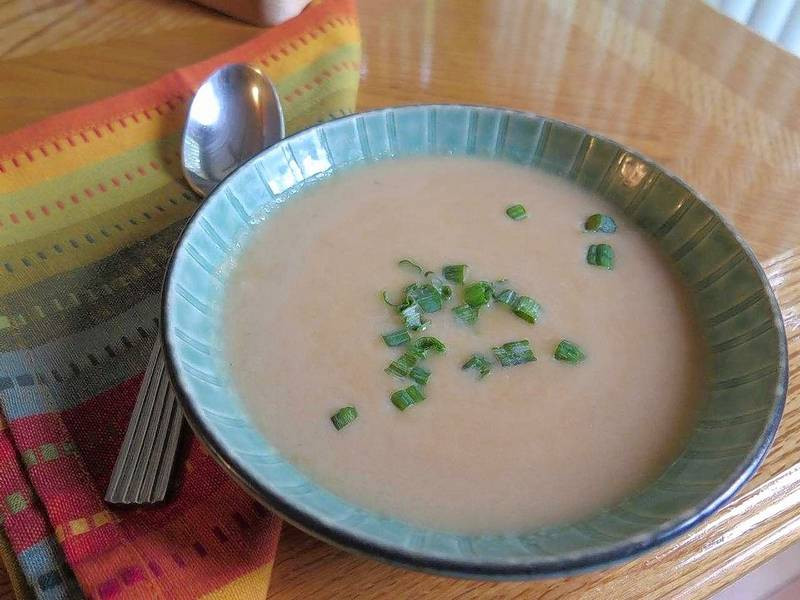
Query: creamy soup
[[527, 445]]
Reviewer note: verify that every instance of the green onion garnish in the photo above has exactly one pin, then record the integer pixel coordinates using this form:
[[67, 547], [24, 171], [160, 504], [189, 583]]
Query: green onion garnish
[[517, 212], [480, 363], [423, 344], [344, 416], [569, 352], [403, 365], [440, 284], [396, 338], [600, 223], [412, 317], [601, 255], [526, 308], [385, 295], [411, 264], [404, 398], [514, 353], [507, 297], [466, 314], [426, 295], [478, 293], [420, 375], [455, 273]]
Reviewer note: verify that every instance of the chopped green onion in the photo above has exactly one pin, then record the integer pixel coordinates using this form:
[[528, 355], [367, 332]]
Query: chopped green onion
[[514, 353], [499, 284], [478, 293], [417, 353], [517, 212], [396, 338], [526, 308], [412, 317], [502, 293], [466, 314], [440, 284], [426, 295], [425, 343], [454, 273], [385, 295], [601, 255], [569, 352], [507, 297], [403, 365], [480, 363], [344, 416], [406, 397], [600, 223], [411, 264], [420, 375]]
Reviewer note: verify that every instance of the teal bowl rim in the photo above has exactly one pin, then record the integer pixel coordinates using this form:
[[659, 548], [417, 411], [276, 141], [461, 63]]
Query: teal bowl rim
[[485, 568]]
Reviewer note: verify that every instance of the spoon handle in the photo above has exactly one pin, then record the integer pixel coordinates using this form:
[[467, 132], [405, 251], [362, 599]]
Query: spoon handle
[[141, 474]]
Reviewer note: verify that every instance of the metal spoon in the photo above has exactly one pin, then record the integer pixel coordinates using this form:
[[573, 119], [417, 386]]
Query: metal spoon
[[233, 116]]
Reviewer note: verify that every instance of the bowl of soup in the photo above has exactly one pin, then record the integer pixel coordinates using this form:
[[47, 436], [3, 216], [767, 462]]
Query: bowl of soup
[[474, 341]]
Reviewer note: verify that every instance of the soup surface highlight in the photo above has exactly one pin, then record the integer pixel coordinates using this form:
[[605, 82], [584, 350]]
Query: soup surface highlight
[[527, 445]]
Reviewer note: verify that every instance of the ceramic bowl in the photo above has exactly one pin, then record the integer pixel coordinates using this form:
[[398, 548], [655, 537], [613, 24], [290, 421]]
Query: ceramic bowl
[[740, 319]]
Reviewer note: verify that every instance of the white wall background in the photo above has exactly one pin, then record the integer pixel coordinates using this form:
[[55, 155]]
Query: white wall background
[[776, 20]]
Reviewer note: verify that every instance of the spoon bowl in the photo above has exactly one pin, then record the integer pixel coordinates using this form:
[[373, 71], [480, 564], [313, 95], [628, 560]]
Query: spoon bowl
[[234, 115]]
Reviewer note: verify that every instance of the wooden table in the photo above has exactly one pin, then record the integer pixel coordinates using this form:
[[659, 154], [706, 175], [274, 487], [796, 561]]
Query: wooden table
[[675, 80]]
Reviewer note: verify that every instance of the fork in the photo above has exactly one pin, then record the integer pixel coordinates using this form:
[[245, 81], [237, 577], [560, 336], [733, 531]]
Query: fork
[[142, 472]]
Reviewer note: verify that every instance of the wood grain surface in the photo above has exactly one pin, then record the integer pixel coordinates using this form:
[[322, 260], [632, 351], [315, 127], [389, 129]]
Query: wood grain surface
[[698, 93]]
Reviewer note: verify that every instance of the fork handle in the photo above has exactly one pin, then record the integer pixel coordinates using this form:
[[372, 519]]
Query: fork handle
[[142, 472]]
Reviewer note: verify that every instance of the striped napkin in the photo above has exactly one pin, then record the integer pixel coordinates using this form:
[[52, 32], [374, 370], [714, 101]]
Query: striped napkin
[[91, 202]]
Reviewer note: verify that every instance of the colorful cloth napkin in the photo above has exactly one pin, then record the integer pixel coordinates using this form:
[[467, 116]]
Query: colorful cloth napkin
[[90, 204]]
